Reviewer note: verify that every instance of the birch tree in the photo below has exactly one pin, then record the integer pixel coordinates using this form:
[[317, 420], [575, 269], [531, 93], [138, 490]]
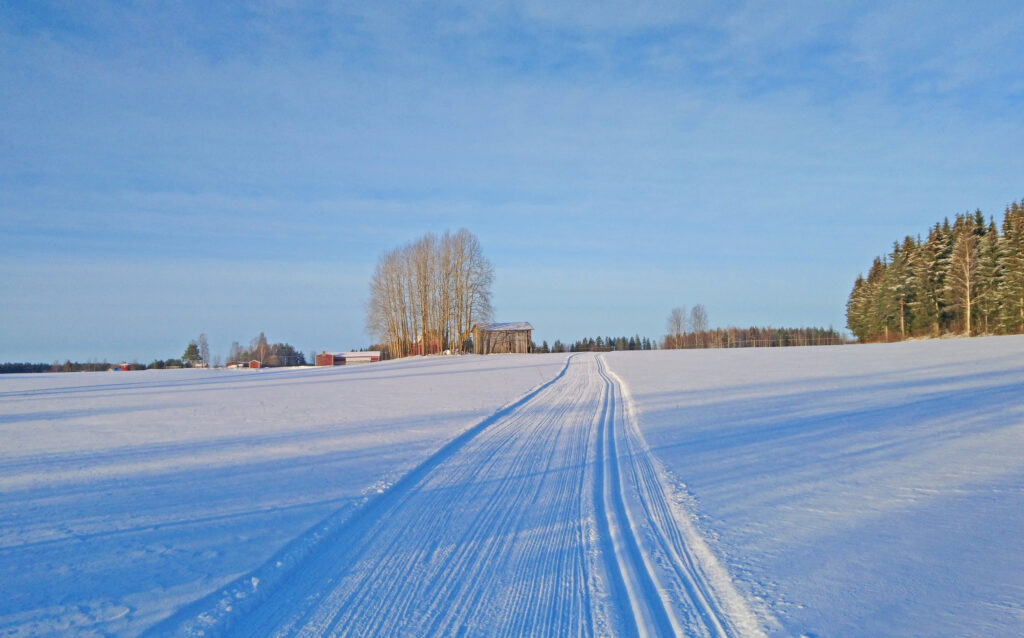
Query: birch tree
[[699, 323], [961, 280], [204, 349], [676, 325], [426, 296]]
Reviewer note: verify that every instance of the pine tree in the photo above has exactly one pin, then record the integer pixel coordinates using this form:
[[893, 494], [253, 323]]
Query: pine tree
[[989, 277], [191, 353], [856, 310], [881, 302], [927, 283], [1011, 290], [897, 284]]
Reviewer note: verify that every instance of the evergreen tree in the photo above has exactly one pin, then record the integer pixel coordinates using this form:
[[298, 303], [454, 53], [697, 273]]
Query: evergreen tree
[[968, 276], [898, 283], [882, 304], [857, 310], [927, 283], [989, 278], [191, 354], [1011, 289]]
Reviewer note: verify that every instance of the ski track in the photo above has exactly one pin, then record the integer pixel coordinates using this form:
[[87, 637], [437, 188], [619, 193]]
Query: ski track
[[549, 518]]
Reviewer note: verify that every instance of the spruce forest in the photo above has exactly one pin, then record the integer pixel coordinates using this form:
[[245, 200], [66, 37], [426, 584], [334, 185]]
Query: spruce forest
[[964, 278]]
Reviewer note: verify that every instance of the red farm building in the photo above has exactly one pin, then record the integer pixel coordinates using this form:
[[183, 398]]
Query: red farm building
[[346, 358]]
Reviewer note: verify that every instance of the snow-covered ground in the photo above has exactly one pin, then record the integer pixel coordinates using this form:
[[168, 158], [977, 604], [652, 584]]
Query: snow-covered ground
[[852, 491], [124, 496], [861, 491]]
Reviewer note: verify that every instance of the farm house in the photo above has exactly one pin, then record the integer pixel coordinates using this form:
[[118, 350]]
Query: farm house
[[500, 338]]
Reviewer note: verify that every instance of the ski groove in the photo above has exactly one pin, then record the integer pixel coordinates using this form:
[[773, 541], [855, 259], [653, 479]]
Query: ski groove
[[547, 518]]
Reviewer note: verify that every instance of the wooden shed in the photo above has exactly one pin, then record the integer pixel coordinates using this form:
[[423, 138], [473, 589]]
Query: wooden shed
[[495, 338]]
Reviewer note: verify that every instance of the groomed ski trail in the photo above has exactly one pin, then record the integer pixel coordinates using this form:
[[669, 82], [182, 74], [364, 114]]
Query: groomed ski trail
[[547, 519]]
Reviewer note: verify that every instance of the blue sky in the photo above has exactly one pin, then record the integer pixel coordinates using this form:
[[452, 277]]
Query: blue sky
[[168, 169]]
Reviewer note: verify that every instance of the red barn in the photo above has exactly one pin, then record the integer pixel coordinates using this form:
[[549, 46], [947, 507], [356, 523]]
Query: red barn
[[254, 364], [330, 359]]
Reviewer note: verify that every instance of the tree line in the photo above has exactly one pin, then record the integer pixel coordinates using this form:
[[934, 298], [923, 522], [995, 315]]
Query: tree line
[[599, 344], [270, 355], [754, 337], [87, 366], [426, 296], [690, 330], [56, 366], [965, 277], [197, 354]]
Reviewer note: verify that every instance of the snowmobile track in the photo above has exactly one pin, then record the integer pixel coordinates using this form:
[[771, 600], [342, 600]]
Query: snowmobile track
[[547, 518]]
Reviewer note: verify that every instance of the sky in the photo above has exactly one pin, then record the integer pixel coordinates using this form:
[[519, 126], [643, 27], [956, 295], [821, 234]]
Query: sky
[[171, 169]]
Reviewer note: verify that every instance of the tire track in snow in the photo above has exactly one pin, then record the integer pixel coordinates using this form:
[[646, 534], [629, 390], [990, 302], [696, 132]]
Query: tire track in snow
[[545, 519]]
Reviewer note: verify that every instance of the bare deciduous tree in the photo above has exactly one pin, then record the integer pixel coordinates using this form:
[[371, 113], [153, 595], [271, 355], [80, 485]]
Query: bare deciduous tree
[[204, 349], [426, 296], [699, 321], [676, 326], [261, 350], [961, 281]]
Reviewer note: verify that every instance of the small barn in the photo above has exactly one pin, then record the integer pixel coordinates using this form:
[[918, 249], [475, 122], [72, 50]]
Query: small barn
[[366, 356], [346, 358], [500, 338], [329, 359]]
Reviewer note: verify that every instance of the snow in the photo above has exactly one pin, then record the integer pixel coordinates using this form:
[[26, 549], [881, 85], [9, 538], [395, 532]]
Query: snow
[[855, 491], [861, 491], [125, 496]]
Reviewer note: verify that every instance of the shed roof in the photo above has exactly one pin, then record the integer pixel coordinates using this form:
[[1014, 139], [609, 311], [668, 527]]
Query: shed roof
[[514, 325]]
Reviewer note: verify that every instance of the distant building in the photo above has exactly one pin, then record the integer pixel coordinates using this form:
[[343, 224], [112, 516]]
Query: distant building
[[326, 359], [346, 358], [368, 356], [495, 338], [254, 364]]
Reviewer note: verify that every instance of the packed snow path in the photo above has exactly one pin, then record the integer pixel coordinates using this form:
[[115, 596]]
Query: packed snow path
[[548, 518]]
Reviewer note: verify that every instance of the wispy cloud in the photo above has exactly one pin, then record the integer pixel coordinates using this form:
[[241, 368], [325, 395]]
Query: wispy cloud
[[661, 137]]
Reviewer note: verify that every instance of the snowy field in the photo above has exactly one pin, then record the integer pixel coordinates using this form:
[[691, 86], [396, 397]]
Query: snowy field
[[839, 491], [862, 491], [124, 496]]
